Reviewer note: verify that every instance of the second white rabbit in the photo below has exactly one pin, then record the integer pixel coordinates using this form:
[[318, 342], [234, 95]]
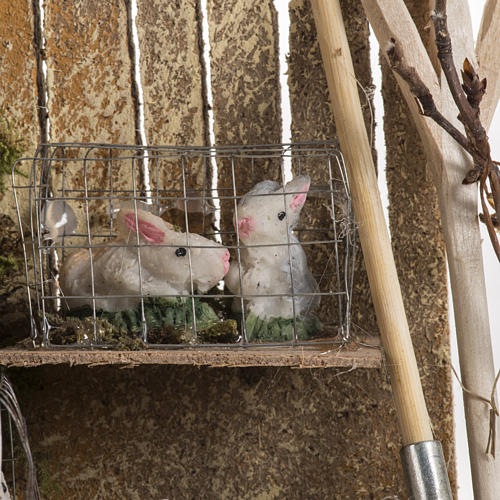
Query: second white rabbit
[[266, 216]]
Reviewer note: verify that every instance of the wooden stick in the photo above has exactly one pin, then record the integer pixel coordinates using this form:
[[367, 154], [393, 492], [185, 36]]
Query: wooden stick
[[458, 207], [407, 390]]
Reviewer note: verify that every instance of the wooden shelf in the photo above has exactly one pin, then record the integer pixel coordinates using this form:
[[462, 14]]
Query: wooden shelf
[[333, 356]]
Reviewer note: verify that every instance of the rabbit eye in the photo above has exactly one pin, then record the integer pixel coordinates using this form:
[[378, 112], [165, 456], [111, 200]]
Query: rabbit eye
[[180, 252], [281, 215]]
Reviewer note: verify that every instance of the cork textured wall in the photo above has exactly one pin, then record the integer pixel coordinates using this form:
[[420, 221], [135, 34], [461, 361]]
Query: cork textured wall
[[88, 72], [183, 431], [18, 90], [419, 247]]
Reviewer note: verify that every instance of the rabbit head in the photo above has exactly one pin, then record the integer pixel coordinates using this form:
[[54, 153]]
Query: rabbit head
[[268, 212], [169, 254]]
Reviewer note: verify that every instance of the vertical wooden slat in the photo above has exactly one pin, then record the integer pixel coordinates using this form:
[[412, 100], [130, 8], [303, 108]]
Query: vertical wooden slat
[[244, 64], [18, 105], [172, 77], [18, 69], [419, 248], [88, 72], [18, 91], [245, 87], [90, 97], [370, 469], [312, 120], [171, 72]]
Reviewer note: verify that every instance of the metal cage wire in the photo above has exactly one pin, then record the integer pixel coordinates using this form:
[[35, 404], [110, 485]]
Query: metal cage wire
[[7, 450], [94, 179]]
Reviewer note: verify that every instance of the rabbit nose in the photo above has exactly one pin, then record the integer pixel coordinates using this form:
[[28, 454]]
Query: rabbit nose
[[246, 226], [225, 260]]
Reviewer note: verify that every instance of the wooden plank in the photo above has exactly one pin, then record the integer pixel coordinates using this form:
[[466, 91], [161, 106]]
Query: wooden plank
[[244, 67], [18, 105], [244, 62], [18, 92], [175, 109], [458, 205], [88, 72], [90, 100], [307, 357], [419, 251], [18, 69], [171, 72], [197, 432]]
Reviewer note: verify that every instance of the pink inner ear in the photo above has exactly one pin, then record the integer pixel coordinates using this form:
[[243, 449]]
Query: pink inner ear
[[246, 226], [146, 229], [298, 201]]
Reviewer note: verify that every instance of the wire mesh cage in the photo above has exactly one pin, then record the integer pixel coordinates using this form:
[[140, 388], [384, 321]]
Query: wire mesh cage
[[133, 247], [18, 472], [8, 479]]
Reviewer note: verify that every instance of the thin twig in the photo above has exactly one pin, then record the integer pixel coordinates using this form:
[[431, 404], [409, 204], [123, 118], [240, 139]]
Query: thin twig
[[423, 94], [445, 56], [468, 115], [490, 446], [467, 97], [486, 213]]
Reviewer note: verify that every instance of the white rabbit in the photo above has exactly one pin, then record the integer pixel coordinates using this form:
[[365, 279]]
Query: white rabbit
[[266, 216], [164, 269]]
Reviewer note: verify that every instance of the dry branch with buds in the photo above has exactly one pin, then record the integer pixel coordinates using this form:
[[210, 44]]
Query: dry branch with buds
[[467, 96]]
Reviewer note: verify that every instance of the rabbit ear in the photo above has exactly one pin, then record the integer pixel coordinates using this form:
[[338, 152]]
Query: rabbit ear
[[151, 227], [300, 183], [146, 229]]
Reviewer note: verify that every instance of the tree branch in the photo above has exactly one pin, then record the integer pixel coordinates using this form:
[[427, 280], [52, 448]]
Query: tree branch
[[445, 55], [476, 143], [423, 94], [468, 115]]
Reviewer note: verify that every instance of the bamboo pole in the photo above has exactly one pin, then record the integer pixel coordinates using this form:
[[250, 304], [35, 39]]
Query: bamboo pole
[[408, 396], [458, 207]]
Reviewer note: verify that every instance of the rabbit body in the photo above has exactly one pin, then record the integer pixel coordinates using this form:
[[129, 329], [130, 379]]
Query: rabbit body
[[266, 215], [165, 270]]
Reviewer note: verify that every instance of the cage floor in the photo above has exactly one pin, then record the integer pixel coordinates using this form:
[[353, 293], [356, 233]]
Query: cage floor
[[324, 356]]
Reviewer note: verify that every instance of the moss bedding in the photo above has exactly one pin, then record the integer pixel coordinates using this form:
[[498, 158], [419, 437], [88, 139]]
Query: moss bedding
[[169, 321], [280, 329]]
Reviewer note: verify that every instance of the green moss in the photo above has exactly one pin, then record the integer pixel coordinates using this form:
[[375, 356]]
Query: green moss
[[280, 329], [9, 263], [224, 332], [80, 330], [169, 321], [11, 149]]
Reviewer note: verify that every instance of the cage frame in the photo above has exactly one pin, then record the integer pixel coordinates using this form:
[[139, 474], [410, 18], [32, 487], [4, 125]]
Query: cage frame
[[329, 149]]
